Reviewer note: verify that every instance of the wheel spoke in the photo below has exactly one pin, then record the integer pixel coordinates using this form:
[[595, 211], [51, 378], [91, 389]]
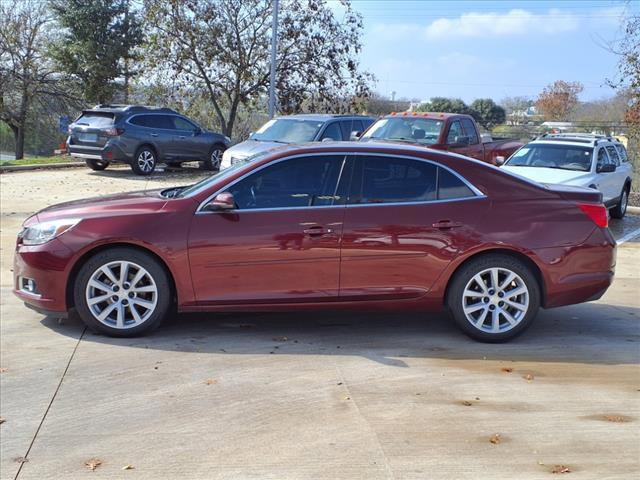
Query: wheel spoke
[[124, 272], [494, 278], [507, 281], [106, 312], [478, 279], [120, 315], [473, 294], [474, 308], [512, 321], [134, 313], [99, 299], [483, 316], [518, 306], [515, 292], [143, 303], [495, 320], [138, 276], [107, 271], [144, 289], [100, 286]]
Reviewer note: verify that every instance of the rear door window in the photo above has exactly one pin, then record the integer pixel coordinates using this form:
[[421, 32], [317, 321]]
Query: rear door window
[[160, 121], [622, 153], [451, 187], [470, 131], [613, 155], [603, 158], [180, 123], [139, 120], [96, 120]]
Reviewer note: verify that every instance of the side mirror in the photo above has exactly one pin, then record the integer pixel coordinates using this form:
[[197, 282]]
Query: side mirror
[[355, 135], [606, 168], [197, 131], [223, 201], [461, 141], [500, 160]]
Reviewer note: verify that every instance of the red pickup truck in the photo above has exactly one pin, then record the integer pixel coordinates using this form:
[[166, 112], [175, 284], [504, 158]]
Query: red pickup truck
[[452, 132]]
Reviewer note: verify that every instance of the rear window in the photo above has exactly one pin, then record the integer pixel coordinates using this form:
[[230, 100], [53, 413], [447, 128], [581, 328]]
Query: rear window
[[623, 153], [95, 119]]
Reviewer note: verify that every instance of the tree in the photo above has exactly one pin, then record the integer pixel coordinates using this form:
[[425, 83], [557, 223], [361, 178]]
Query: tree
[[221, 47], [28, 79], [441, 104], [516, 104], [558, 100], [97, 44], [487, 113]]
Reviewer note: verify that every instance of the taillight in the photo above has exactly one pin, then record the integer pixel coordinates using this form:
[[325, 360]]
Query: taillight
[[113, 132], [597, 213]]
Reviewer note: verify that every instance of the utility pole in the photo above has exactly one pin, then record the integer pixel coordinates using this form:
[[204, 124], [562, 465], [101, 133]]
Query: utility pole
[[274, 47]]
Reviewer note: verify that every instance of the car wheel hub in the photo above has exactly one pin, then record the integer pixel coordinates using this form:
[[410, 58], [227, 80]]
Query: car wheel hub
[[146, 161], [121, 294], [495, 300]]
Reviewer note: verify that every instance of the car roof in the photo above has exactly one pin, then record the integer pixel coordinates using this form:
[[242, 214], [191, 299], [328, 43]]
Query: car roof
[[585, 139], [126, 109], [435, 115], [324, 117]]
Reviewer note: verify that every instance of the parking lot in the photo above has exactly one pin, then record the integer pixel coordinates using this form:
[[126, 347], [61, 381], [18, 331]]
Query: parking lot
[[330, 395]]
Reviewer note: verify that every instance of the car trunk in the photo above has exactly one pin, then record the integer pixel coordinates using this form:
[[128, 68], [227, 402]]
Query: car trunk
[[576, 194], [91, 129]]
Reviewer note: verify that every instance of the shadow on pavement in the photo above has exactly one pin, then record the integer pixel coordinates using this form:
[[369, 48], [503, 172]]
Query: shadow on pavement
[[589, 333]]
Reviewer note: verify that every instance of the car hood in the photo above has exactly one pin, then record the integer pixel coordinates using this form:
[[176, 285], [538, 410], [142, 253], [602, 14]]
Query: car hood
[[251, 147], [108, 205], [551, 175]]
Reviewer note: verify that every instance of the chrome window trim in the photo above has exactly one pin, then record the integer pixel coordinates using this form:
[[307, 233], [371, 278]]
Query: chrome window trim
[[477, 193], [158, 128]]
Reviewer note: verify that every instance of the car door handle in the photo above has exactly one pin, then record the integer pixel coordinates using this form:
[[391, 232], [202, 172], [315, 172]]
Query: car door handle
[[317, 231], [446, 224], [154, 134]]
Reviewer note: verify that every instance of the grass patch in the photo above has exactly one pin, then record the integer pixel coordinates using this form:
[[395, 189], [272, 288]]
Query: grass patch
[[38, 160]]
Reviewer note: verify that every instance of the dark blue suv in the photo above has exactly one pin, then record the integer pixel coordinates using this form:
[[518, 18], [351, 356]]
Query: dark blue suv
[[142, 137]]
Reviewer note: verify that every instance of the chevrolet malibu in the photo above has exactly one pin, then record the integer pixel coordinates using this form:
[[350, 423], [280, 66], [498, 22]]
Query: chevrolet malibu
[[323, 226]]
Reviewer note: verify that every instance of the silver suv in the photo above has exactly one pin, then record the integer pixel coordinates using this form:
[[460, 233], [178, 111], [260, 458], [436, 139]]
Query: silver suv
[[142, 137]]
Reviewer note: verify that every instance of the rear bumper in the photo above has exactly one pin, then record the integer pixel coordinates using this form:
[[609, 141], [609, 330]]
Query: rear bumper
[[579, 273], [111, 152]]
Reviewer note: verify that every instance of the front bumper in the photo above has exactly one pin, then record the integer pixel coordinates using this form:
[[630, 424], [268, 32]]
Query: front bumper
[[48, 266]]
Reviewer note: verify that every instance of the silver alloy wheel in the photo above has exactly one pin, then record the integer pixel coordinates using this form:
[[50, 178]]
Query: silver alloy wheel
[[216, 158], [146, 161], [121, 294], [624, 201], [495, 300]]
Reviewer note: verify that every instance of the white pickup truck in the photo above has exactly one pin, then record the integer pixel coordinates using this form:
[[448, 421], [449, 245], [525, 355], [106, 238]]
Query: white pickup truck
[[585, 160]]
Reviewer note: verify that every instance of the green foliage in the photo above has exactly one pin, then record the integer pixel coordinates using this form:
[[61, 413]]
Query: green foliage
[[487, 113], [446, 105], [98, 39]]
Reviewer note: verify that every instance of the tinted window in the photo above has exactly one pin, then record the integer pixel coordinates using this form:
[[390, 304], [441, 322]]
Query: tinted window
[[623, 153], [159, 121], [613, 154], [386, 180], [348, 126], [182, 124], [332, 131], [450, 186], [140, 120], [299, 182], [470, 130], [566, 157], [96, 120], [603, 158], [455, 130]]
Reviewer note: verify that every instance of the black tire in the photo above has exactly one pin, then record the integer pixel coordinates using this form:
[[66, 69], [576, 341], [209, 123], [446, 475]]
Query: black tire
[[154, 317], [456, 298], [212, 162], [96, 164], [620, 209], [145, 161]]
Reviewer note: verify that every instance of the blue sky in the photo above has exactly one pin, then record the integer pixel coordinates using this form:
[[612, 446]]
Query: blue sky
[[472, 49]]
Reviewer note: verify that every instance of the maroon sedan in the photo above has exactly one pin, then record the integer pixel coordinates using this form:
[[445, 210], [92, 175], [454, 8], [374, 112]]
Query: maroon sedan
[[331, 226]]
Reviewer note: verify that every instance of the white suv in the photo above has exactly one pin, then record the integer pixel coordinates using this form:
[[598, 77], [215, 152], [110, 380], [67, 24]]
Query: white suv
[[585, 160]]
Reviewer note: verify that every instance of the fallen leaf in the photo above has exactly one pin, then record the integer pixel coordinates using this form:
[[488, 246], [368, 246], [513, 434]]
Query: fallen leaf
[[128, 467], [616, 418], [20, 460], [507, 370], [93, 463], [467, 403], [3, 369], [211, 381], [495, 439], [528, 377], [280, 339], [347, 398], [560, 469], [2, 420]]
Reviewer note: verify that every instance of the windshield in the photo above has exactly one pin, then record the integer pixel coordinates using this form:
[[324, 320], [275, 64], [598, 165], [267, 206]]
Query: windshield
[[221, 175], [424, 131], [288, 130], [565, 157]]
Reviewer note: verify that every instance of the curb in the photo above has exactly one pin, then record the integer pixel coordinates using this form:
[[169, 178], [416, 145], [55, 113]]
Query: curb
[[633, 210], [41, 166]]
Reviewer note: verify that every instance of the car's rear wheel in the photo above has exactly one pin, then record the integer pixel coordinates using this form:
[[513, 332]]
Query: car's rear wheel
[[494, 298], [122, 292], [145, 161], [215, 157], [620, 209], [94, 164]]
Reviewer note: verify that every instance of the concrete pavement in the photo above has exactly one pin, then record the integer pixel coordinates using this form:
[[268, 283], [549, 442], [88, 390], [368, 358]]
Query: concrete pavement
[[330, 395]]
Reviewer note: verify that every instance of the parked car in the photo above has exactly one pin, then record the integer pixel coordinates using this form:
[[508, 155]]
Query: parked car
[[301, 128], [585, 160], [324, 226], [142, 137], [442, 131]]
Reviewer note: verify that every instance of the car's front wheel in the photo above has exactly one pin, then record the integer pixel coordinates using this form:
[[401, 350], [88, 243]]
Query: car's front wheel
[[96, 164], [494, 298], [145, 161], [122, 292], [620, 209], [215, 157]]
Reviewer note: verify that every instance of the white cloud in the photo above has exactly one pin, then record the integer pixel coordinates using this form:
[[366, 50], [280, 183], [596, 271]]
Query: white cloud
[[513, 22]]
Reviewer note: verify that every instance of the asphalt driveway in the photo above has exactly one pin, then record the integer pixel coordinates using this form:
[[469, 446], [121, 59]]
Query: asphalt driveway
[[331, 395]]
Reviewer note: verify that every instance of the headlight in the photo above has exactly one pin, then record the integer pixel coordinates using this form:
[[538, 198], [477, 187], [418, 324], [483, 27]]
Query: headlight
[[43, 232]]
